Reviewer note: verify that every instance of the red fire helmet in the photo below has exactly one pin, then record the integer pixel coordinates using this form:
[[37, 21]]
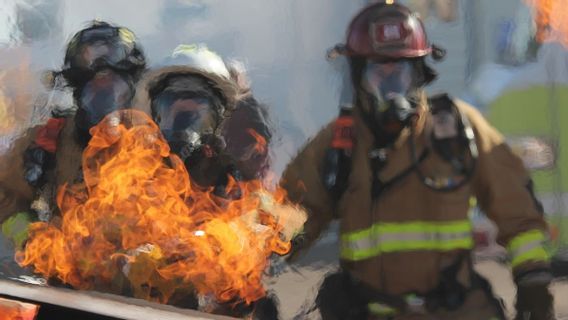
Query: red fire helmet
[[387, 30]]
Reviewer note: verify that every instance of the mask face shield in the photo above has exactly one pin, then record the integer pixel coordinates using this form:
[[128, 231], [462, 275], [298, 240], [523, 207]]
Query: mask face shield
[[184, 114], [386, 80], [390, 92], [106, 92], [184, 120], [189, 113]]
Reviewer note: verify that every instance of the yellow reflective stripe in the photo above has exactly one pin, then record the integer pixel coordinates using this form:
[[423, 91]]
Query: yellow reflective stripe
[[361, 254], [536, 254], [408, 227], [380, 309], [185, 48], [527, 246], [126, 35], [396, 237], [524, 238], [190, 49]]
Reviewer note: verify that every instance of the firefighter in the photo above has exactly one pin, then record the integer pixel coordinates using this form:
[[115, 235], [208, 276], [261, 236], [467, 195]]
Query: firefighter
[[102, 64], [398, 171], [206, 112]]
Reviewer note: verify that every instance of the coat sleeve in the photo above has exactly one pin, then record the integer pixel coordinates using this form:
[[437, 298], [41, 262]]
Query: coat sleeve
[[503, 188], [302, 179], [15, 193]]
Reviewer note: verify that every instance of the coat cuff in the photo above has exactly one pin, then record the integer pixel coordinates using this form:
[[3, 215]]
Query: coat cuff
[[528, 247]]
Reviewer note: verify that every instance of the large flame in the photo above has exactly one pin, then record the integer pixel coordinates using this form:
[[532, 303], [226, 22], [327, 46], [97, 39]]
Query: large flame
[[551, 18], [138, 220]]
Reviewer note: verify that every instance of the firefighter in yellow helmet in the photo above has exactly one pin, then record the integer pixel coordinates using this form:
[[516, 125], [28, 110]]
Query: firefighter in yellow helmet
[[398, 171]]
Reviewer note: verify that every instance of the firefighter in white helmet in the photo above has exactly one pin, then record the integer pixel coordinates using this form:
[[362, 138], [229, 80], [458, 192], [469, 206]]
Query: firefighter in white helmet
[[206, 114], [195, 100]]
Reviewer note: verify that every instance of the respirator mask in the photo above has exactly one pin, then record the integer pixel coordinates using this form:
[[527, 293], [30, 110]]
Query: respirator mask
[[392, 94], [106, 91]]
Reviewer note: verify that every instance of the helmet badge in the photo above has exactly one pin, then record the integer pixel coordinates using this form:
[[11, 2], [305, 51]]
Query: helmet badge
[[388, 33]]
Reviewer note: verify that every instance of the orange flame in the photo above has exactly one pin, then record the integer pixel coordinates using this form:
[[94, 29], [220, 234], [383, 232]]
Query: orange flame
[[15, 310], [260, 145], [551, 18], [138, 220]]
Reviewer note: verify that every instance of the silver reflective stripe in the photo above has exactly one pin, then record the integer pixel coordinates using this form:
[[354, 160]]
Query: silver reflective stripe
[[526, 248], [406, 236]]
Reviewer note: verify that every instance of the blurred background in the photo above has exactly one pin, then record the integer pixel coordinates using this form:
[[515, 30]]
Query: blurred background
[[501, 58]]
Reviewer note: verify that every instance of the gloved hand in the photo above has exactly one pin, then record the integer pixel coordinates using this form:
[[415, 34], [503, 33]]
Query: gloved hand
[[266, 308], [15, 228], [338, 299], [534, 301]]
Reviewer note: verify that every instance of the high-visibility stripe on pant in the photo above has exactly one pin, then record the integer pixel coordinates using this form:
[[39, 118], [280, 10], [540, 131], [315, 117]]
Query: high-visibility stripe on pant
[[408, 236]]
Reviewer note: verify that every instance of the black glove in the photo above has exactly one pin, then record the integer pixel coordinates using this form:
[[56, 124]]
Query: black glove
[[266, 308], [339, 299], [534, 301]]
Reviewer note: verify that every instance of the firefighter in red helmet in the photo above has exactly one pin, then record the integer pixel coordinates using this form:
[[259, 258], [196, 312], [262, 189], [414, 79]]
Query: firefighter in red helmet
[[398, 170]]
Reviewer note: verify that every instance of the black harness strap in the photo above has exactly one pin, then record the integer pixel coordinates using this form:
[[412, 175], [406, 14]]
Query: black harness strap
[[378, 162]]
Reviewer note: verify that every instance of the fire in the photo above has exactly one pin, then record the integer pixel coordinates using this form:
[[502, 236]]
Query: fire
[[551, 18], [16, 310], [138, 224], [260, 145]]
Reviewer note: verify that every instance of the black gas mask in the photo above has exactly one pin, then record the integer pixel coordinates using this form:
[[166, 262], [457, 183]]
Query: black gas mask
[[102, 64], [189, 113], [106, 91], [391, 90], [187, 121]]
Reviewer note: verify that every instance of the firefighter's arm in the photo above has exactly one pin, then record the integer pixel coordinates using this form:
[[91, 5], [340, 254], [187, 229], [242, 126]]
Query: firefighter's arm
[[302, 180], [503, 189], [16, 194]]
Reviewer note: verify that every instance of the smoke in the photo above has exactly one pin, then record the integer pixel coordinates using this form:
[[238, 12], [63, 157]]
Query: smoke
[[281, 42]]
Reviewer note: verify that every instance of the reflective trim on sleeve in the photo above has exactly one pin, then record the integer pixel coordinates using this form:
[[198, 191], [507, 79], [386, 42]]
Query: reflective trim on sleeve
[[527, 246]]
